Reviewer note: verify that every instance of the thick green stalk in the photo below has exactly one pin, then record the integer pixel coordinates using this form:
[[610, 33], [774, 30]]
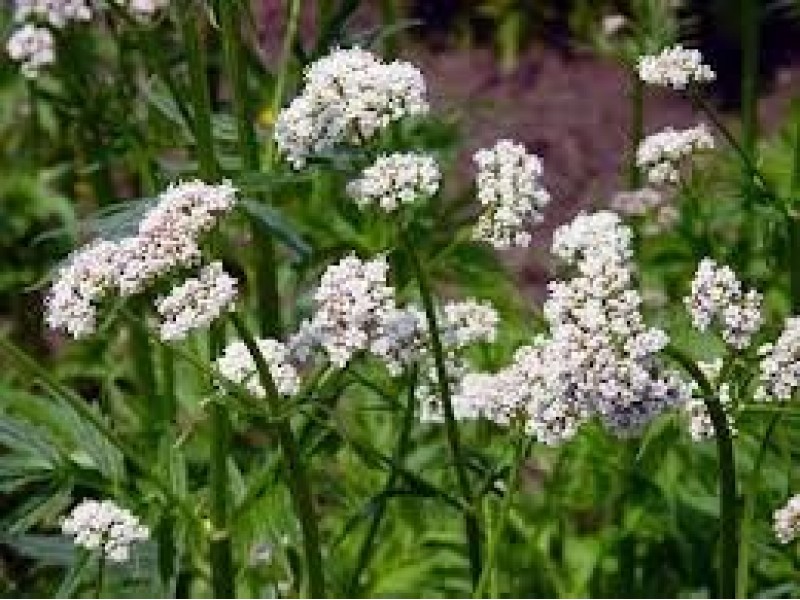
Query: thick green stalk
[[223, 572], [748, 163], [101, 571], [280, 83], [750, 20], [743, 576], [728, 517], [520, 448], [793, 221], [471, 526], [636, 98], [199, 89], [400, 452], [266, 273], [295, 468]]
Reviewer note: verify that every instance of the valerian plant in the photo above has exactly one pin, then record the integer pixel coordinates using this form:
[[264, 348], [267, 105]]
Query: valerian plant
[[244, 357]]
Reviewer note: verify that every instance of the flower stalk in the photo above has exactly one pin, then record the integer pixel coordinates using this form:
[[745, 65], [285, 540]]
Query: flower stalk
[[471, 525], [728, 514], [299, 486]]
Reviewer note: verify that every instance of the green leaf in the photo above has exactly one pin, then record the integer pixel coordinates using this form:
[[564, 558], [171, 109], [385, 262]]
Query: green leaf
[[275, 224]]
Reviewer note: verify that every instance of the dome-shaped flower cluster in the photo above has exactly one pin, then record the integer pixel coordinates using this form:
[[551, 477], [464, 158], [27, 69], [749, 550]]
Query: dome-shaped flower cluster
[[33, 47], [662, 154], [196, 303], [599, 358], [348, 96], [511, 193], [168, 238], [787, 521], [675, 67], [396, 179], [780, 364], [104, 526], [238, 365], [717, 298]]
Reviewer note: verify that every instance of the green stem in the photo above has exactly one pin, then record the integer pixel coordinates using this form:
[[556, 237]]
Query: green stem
[[223, 573], [101, 568], [520, 450], [750, 19], [199, 89], [471, 526], [742, 579], [748, 162], [400, 452], [266, 274], [295, 469], [728, 517], [280, 82], [793, 222], [636, 97]]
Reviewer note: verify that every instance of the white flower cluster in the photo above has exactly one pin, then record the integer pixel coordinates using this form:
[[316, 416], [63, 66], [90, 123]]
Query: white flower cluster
[[717, 298], [80, 286], [662, 154], [352, 300], [237, 364], [57, 13], [780, 364], [348, 96], [144, 8], [599, 359], [675, 67], [701, 427], [105, 526], [510, 190], [167, 238], [787, 521], [196, 302], [396, 179], [33, 47]]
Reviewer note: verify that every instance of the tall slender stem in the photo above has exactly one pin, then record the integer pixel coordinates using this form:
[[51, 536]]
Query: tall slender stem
[[295, 468], [636, 98], [223, 574], [750, 22], [266, 275], [793, 220], [520, 450], [400, 451], [101, 571], [743, 576], [471, 526], [199, 89], [289, 37], [728, 517]]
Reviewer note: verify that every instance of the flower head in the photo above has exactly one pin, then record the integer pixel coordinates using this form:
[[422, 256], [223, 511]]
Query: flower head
[[188, 209], [717, 298], [104, 526], [196, 302], [348, 96], [79, 286], [511, 192], [662, 154], [57, 13], [33, 47], [396, 179], [238, 365], [780, 364], [787, 521], [675, 67]]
